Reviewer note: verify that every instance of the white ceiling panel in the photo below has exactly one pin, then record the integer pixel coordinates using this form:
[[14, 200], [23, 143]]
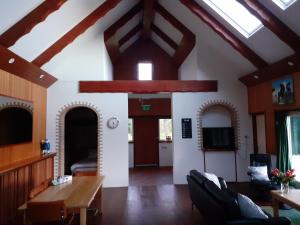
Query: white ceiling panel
[[161, 43], [11, 11], [54, 27]]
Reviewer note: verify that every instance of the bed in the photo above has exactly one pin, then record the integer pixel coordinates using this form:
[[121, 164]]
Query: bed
[[85, 166]]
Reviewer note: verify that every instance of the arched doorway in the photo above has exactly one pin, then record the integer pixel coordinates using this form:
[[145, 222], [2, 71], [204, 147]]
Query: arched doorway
[[81, 139]]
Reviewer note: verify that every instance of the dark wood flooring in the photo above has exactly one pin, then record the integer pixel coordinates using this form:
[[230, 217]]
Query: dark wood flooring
[[147, 176], [151, 200]]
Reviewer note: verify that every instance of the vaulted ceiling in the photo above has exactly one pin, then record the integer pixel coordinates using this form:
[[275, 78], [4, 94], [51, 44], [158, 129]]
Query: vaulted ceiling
[[61, 37]]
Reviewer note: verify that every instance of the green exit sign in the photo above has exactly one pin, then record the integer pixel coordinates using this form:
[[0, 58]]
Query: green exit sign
[[146, 107]]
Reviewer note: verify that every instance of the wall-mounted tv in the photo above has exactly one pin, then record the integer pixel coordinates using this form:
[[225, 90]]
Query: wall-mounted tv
[[15, 121], [218, 138]]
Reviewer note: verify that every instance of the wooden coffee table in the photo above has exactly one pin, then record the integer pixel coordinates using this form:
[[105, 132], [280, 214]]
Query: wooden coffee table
[[292, 199]]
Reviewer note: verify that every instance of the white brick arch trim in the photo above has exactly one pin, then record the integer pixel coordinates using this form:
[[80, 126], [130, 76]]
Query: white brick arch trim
[[59, 163], [21, 105], [235, 120]]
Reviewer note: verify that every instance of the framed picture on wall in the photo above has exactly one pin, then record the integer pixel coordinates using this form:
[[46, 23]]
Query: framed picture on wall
[[283, 91]]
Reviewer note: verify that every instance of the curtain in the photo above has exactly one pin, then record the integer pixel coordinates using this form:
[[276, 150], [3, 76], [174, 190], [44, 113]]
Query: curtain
[[295, 133], [283, 160]]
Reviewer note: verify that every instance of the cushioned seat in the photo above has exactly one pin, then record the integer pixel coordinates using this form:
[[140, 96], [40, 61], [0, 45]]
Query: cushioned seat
[[219, 206]]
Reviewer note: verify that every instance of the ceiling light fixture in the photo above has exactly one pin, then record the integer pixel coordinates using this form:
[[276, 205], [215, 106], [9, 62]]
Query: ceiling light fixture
[[41, 76], [256, 77], [290, 63], [11, 60]]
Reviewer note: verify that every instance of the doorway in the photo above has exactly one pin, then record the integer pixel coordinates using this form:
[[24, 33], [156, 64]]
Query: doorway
[[150, 146], [146, 141], [81, 141]]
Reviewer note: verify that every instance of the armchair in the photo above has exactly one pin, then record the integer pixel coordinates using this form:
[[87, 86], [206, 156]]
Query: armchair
[[219, 206]]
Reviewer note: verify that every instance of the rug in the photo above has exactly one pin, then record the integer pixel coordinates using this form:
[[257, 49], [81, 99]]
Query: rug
[[292, 214]]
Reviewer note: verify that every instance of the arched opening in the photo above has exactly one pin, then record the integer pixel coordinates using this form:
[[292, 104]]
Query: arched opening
[[81, 140]]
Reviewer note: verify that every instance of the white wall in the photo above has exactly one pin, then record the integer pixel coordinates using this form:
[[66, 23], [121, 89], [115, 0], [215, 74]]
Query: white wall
[[115, 141], [165, 154], [188, 156]]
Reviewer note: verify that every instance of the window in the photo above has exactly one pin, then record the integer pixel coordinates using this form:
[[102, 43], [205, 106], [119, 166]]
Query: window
[[145, 71], [237, 15], [165, 129], [293, 125], [130, 129], [284, 4]]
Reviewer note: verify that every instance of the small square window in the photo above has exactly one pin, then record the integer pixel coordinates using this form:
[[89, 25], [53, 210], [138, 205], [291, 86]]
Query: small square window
[[145, 71]]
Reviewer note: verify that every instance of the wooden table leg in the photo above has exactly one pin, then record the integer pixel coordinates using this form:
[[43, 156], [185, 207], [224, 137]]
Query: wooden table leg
[[82, 216], [275, 208]]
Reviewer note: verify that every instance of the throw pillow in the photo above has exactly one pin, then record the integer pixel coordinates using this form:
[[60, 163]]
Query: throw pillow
[[213, 178], [259, 173], [249, 209]]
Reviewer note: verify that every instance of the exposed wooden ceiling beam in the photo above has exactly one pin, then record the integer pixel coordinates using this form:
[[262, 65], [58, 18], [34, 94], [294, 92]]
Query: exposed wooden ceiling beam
[[188, 41], [227, 35], [80, 28], [283, 67], [113, 48], [172, 20], [148, 17], [27, 23], [18, 66], [185, 47], [130, 34], [109, 32], [273, 23], [134, 86], [163, 36]]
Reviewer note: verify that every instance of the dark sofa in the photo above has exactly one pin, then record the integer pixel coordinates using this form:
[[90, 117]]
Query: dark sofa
[[220, 206]]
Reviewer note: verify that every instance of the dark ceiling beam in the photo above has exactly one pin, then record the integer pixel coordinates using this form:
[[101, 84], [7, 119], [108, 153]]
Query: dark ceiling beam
[[154, 86], [14, 64], [283, 67], [227, 35], [185, 47], [269, 20], [80, 28], [188, 41], [109, 32], [110, 39], [148, 16], [130, 34], [27, 23], [172, 20], [164, 37]]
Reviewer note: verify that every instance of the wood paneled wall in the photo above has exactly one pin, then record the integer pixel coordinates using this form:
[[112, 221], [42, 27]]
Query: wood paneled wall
[[17, 182], [260, 102], [159, 107], [145, 50], [17, 87]]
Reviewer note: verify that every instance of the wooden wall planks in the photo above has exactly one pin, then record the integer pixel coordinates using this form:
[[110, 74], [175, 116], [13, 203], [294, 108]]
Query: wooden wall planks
[[260, 101], [16, 184], [17, 87]]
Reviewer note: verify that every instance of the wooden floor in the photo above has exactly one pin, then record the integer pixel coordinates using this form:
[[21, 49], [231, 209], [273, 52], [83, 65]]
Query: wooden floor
[[148, 176], [150, 200]]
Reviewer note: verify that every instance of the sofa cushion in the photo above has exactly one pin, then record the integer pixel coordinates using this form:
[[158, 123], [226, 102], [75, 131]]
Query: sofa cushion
[[228, 202], [259, 173], [249, 209], [213, 178], [198, 177]]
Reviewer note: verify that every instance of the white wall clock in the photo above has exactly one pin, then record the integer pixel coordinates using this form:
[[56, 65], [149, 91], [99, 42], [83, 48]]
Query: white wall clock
[[113, 122]]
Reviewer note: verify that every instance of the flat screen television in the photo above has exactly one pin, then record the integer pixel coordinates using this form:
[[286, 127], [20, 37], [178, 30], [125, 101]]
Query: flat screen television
[[218, 138], [15, 126]]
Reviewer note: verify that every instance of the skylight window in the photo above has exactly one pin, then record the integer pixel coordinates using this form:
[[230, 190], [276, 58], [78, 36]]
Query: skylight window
[[284, 4], [237, 15], [145, 71]]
